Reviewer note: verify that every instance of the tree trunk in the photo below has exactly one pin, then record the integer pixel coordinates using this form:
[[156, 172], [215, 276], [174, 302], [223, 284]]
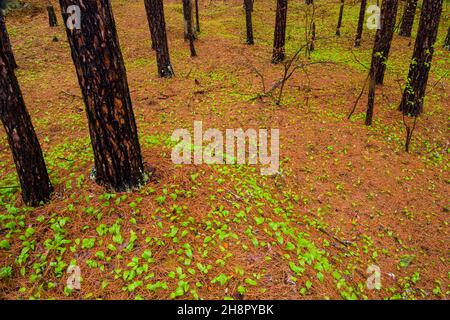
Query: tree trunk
[[312, 44], [248, 5], [380, 53], [341, 13], [416, 83], [187, 11], [383, 39], [362, 14], [308, 2], [157, 24], [280, 31], [191, 20], [371, 99], [22, 139], [447, 40], [6, 44], [197, 17], [52, 21], [102, 78], [151, 22], [408, 18]]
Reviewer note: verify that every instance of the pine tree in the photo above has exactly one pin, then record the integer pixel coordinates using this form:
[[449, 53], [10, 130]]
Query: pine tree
[[151, 22], [187, 12], [52, 20], [341, 13], [190, 14], [408, 18], [362, 14], [380, 52], [383, 39], [416, 83], [280, 31], [22, 139], [248, 6], [6, 43], [102, 78], [447, 40], [157, 25], [197, 17]]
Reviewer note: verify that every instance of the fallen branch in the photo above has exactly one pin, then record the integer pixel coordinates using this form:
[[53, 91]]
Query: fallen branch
[[71, 94]]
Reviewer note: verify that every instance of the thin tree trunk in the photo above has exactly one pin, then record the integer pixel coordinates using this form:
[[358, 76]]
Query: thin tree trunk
[[280, 31], [157, 24], [52, 20], [151, 22], [22, 139], [248, 5], [416, 84], [6, 44], [362, 14], [102, 78], [408, 18], [190, 22], [341, 13], [197, 17], [447, 40], [380, 53], [371, 99], [384, 38], [187, 11], [312, 45]]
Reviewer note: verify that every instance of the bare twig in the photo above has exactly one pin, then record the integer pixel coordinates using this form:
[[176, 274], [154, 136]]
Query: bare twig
[[409, 131], [437, 82], [359, 98], [71, 94]]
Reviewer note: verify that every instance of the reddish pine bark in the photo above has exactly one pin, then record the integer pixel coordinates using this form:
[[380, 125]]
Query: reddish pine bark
[[103, 82]]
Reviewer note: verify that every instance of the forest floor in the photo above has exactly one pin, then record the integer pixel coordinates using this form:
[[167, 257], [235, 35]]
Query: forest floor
[[347, 197]]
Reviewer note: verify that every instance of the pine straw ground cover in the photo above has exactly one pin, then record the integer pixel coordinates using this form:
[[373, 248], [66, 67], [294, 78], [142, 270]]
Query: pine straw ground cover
[[347, 196]]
